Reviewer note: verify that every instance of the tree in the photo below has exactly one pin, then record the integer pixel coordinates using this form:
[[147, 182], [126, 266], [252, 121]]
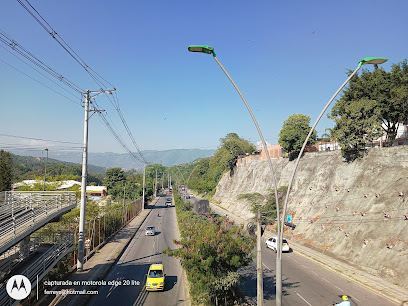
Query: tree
[[236, 145], [114, 176], [294, 132], [357, 123], [6, 171], [388, 90]]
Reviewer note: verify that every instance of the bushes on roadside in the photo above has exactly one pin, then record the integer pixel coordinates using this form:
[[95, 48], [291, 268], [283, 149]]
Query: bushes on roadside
[[211, 251]]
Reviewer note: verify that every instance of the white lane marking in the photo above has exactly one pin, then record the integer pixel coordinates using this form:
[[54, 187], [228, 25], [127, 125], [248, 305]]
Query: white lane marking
[[325, 279], [266, 267], [303, 299], [293, 259], [339, 288], [356, 299], [314, 272], [304, 266]]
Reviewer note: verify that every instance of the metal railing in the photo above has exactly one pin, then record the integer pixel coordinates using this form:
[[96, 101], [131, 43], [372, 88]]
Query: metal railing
[[16, 255], [24, 212], [64, 243]]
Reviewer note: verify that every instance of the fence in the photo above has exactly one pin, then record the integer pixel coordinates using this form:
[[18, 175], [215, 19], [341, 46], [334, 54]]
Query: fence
[[24, 212], [63, 243], [99, 229]]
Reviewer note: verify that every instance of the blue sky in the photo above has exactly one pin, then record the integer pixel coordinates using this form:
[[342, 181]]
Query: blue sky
[[287, 57]]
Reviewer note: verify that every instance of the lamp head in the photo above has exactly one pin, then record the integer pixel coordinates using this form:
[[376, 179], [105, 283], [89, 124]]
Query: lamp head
[[372, 60], [202, 49]]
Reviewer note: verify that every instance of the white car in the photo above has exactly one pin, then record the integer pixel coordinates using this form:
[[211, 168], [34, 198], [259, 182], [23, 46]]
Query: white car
[[150, 231], [271, 243]]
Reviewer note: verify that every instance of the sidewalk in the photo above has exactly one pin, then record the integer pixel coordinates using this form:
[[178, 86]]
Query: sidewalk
[[372, 282], [98, 266]]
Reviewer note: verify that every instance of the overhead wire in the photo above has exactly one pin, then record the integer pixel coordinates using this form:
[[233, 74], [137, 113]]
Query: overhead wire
[[93, 74], [40, 139], [34, 79]]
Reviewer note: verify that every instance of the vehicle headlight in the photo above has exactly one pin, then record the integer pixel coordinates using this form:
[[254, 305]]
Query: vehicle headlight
[[149, 284], [161, 283]]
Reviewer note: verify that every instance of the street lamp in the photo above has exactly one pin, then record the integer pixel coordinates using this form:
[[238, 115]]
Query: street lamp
[[364, 61], [210, 50]]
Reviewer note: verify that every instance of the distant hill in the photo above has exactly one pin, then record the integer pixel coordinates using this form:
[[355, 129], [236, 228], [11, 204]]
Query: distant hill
[[167, 158], [27, 165]]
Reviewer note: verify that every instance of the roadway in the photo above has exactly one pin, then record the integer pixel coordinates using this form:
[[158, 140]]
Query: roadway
[[133, 265], [304, 281]]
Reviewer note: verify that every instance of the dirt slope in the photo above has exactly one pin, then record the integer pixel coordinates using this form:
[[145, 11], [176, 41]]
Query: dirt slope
[[335, 206]]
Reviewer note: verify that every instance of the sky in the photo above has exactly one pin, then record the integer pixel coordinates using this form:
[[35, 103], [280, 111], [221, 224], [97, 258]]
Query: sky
[[287, 57]]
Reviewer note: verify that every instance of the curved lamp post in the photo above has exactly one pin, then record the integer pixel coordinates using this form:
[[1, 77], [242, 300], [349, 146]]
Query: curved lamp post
[[210, 50], [364, 61]]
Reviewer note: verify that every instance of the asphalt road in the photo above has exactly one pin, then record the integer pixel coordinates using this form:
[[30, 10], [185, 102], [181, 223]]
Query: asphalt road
[[130, 271], [304, 281]]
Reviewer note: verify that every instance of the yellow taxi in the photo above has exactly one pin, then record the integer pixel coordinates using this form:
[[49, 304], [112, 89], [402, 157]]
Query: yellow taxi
[[155, 278]]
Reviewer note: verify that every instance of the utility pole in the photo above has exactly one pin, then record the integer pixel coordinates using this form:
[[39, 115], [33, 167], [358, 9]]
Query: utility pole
[[143, 196], [45, 171], [155, 186], [124, 194], [259, 298], [82, 210]]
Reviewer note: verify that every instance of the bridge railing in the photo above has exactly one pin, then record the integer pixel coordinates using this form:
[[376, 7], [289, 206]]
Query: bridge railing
[[64, 243], [23, 211]]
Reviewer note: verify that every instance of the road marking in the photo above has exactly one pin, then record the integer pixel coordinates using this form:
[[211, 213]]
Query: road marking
[[294, 259], [355, 299], [303, 299], [304, 266], [314, 272], [339, 288], [267, 267], [325, 280]]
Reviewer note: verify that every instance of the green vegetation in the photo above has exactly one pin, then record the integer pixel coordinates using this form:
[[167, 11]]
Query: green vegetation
[[211, 250], [294, 132], [266, 203], [374, 102], [207, 172], [6, 171]]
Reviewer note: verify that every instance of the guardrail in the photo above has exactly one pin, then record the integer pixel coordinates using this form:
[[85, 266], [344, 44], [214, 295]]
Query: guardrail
[[23, 212], [64, 243]]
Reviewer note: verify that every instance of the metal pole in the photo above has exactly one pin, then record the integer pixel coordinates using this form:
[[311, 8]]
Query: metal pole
[[143, 196], [82, 211], [278, 262], [259, 296], [45, 171], [280, 231]]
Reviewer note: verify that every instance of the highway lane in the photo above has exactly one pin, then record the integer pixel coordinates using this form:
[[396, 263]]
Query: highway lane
[[304, 281], [133, 265]]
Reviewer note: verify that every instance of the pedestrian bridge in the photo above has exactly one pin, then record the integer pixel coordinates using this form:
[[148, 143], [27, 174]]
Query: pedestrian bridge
[[24, 212]]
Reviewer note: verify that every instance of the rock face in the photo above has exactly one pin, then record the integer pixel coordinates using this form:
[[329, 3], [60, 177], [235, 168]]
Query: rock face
[[353, 211]]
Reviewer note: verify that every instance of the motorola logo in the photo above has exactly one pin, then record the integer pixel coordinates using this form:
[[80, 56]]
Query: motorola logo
[[18, 287]]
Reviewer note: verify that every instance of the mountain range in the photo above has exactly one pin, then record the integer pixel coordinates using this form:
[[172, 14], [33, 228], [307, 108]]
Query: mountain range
[[167, 158]]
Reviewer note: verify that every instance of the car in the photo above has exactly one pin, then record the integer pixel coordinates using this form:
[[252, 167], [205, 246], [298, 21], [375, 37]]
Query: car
[[271, 243], [169, 202], [155, 278], [150, 230]]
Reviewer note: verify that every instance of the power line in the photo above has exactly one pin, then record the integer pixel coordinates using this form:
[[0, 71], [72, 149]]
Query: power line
[[94, 75], [15, 46], [40, 139], [40, 82]]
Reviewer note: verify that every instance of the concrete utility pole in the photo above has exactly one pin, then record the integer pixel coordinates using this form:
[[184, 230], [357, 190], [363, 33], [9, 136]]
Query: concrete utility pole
[[45, 171], [143, 196], [155, 186], [82, 210], [259, 295]]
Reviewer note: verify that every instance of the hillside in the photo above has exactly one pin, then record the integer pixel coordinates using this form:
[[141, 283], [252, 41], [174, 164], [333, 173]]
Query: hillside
[[26, 165], [335, 206], [167, 158]]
